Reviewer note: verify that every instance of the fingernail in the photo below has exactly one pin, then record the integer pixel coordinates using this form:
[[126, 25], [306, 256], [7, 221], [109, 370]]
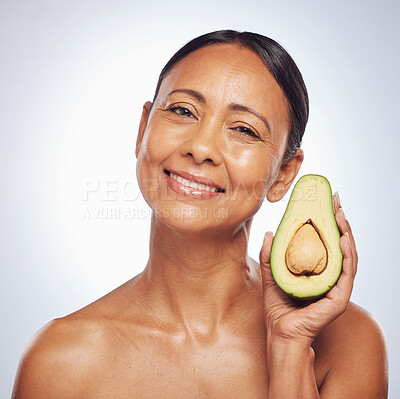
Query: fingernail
[[268, 232], [338, 198], [341, 209]]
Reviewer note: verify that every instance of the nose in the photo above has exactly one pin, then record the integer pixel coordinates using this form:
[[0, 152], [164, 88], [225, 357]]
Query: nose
[[203, 143]]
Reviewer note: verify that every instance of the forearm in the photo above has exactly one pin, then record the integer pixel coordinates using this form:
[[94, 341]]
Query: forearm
[[291, 371]]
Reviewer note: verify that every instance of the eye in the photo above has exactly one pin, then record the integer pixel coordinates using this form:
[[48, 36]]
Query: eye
[[247, 131], [182, 111]]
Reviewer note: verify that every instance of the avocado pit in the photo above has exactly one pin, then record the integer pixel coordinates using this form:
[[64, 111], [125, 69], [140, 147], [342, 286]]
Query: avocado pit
[[306, 254]]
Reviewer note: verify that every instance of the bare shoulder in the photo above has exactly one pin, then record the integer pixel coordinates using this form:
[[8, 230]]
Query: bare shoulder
[[48, 367], [67, 356], [351, 355]]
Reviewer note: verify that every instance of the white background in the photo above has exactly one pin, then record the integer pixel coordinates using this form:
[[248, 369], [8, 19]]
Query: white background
[[73, 78]]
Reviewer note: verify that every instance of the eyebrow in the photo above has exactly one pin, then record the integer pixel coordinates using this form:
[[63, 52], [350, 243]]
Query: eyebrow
[[233, 106], [243, 108], [193, 93]]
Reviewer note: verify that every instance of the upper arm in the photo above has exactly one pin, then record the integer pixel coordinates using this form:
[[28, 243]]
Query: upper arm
[[44, 371], [358, 359]]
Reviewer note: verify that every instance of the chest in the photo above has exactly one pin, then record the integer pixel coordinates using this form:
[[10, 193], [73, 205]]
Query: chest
[[153, 365], [232, 369]]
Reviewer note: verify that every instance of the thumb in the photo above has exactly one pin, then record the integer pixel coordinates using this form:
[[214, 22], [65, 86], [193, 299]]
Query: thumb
[[265, 259], [265, 253]]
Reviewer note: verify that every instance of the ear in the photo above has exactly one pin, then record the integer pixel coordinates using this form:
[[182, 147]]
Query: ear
[[142, 125], [285, 177]]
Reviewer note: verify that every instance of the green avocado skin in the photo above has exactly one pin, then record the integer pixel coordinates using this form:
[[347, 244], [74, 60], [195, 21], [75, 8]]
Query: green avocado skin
[[311, 198]]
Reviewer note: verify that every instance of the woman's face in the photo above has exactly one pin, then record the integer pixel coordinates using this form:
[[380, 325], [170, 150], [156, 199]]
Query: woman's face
[[209, 149]]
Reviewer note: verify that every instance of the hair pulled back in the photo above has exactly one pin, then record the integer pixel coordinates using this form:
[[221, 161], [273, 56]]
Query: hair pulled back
[[278, 62]]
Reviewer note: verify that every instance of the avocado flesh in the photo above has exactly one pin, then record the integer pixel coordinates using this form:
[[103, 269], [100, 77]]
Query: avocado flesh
[[306, 259]]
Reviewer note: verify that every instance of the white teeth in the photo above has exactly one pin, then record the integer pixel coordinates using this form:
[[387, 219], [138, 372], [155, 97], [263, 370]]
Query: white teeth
[[192, 184]]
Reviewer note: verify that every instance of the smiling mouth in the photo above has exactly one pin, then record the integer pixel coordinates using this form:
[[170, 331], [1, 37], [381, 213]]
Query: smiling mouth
[[193, 184]]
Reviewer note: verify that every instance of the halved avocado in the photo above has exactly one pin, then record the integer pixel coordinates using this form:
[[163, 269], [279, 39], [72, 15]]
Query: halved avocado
[[306, 259]]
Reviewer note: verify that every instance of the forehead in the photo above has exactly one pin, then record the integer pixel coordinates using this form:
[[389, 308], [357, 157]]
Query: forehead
[[228, 72]]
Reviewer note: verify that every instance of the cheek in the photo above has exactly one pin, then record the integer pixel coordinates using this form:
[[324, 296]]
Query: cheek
[[156, 144], [162, 140], [253, 169], [159, 144], [148, 163]]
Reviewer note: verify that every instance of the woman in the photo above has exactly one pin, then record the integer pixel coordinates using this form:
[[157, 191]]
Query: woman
[[204, 320]]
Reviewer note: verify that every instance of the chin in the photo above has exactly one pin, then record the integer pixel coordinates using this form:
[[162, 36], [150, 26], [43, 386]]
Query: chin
[[192, 218], [187, 219]]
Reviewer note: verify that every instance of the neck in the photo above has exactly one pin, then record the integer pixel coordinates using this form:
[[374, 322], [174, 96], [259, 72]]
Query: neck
[[197, 279]]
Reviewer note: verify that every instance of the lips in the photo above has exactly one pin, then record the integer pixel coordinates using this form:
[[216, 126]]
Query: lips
[[194, 186]]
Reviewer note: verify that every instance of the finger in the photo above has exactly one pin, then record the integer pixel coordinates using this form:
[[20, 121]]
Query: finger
[[342, 291], [342, 222], [336, 202], [337, 299], [265, 255], [344, 227], [348, 266]]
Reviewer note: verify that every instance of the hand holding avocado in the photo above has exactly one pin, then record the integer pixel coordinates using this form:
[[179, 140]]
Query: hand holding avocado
[[303, 270]]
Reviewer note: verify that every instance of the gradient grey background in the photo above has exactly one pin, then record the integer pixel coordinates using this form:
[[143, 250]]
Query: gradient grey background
[[73, 78]]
